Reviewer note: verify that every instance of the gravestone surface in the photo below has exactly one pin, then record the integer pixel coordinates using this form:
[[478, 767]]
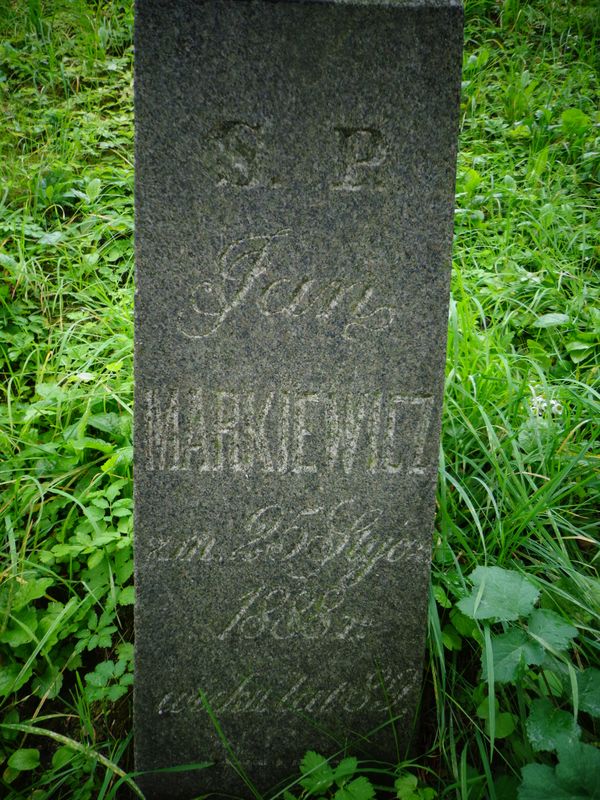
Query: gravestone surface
[[295, 170]]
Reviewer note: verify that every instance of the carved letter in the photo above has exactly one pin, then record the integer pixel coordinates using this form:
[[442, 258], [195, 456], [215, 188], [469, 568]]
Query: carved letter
[[363, 151], [162, 431]]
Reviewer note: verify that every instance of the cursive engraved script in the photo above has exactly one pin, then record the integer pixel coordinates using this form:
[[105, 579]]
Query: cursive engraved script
[[303, 543], [247, 275], [380, 690]]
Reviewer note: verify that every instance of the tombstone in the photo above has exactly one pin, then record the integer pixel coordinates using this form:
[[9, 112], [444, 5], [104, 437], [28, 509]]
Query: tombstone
[[295, 168]]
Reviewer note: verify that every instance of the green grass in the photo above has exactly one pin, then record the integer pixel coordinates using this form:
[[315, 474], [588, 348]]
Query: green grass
[[519, 476]]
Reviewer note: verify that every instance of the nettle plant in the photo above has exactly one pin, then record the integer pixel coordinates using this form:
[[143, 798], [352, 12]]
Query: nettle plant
[[527, 658]]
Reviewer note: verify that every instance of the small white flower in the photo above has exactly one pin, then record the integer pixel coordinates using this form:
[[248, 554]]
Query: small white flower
[[540, 404]]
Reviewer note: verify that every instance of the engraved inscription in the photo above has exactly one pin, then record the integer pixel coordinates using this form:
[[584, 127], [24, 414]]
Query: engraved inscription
[[379, 690], [235, 154], [321, 553], [286, 431], [315, 537], [250, 275], [236, 150], [363, 152], [286, 613]]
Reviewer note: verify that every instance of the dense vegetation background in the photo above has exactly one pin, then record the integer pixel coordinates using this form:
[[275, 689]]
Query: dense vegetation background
[[512, 685]]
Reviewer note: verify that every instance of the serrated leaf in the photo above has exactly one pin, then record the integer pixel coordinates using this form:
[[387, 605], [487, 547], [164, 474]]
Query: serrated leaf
[[499, 594], [31, 590], [441, 597], [115, 487], [49, 683], [359, 789], [551, 629], [548, 726], [115, 692], [578, 769], [512, 652], [318, 775], [126, 651], [25, 759], [21, 629], [10, 680], [102, 674], [345, 769], [450, 638], [539, 783], [405, 786], [127, 596], [588, 682], [574, 121]]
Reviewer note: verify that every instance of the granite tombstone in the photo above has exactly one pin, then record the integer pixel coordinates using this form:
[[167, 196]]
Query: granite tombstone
[[295, 170]]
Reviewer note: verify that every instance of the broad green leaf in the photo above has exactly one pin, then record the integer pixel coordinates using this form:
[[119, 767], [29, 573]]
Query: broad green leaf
[[578, 768], [552, 320], [127, 596], [53, 237], [551, 629], [540, 783], [358, 789], [318, 775], [345, 769], [588, 682], [575, 122], [102, 674], [451, 638], [126, 651], [506, 787], [10, 680], [113, 693], [576, 776], [548, 727], [95, 558], [483, 709], [405, 786], [90, 443], [441, 597], [512, 652], [498, 594], [504, 725], [25, 759], [93, 189], [463, 624], [21, 628], [62, 756], [49, 683], [7, 261], [108, 423], [31, 590]]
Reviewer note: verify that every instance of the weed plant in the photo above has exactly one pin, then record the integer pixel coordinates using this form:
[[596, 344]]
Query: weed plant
[[512, 685]]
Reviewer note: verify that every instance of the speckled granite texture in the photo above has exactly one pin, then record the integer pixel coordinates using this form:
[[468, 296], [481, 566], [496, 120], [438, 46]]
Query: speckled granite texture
[[294, 192]]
